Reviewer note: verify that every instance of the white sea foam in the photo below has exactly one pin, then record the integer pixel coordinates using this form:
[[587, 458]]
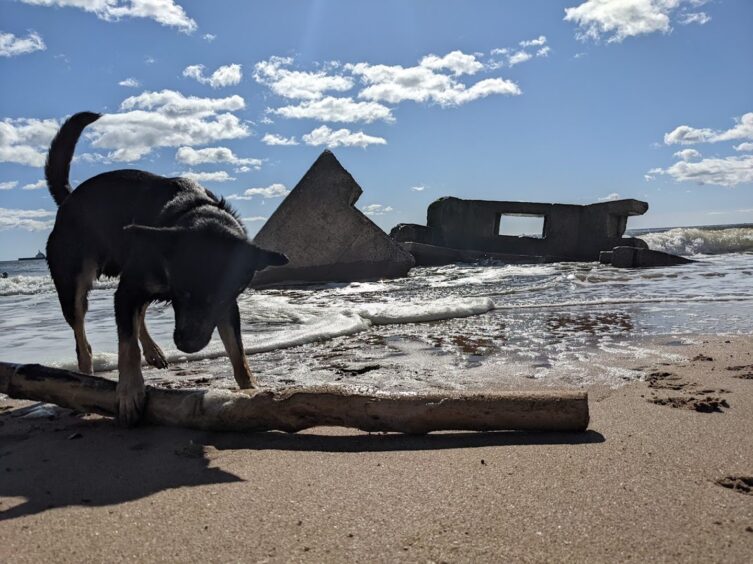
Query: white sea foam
[[396, 313], [22, 285], [690, 241]]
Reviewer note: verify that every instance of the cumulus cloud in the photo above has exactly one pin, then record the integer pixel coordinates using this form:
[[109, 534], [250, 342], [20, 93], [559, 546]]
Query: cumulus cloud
[[227, 75], [456, 62], [610, 197], [687, 154], [299, 85], [255, 218], [214, 176], [26, 140], [164, 12], [395, 84], [130, 83], [336, 110], [340, 138], [686, 135], [193, 157], [505, 56], [12, 46], [274, 139], [8, 185], [538, 42], [744, 147], [38, 185], [419, 188], [619, 19], [272, 191], [166, 119], [727, 171], [29, 220], [209, 37], [376, 209], [519, 57]]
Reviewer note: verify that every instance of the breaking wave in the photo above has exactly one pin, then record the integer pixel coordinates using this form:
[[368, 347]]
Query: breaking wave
[[698, 241]]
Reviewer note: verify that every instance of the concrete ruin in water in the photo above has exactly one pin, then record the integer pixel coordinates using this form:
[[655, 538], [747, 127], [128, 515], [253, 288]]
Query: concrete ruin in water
[[458, 230], [324, 236], [327, 239]]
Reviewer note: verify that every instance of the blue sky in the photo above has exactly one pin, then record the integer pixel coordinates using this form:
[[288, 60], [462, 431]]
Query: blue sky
[[573, 101]]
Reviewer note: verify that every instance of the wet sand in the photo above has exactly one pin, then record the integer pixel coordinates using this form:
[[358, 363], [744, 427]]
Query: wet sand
[[640, 484]]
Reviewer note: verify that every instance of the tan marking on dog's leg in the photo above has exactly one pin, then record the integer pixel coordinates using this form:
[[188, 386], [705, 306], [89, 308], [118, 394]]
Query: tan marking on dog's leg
[[130, 389], [83, 349], [152, 352], [234, 348]]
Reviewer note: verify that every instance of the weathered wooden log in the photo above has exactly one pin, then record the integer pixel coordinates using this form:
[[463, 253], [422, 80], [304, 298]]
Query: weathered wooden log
[[294, 409]]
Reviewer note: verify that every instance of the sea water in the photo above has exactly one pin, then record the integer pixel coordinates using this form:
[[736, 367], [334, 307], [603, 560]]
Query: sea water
[[476, 325]]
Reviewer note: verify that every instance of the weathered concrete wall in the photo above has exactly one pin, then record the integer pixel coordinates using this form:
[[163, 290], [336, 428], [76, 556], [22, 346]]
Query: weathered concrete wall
[[325, 238], [631, 257], [571, 232]]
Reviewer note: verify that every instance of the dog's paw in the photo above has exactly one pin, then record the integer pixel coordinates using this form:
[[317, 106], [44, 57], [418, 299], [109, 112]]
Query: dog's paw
[[155, 357], [131, 404]]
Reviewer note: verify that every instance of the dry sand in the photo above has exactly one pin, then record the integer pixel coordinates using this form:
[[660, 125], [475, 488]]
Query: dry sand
[[640, 485]]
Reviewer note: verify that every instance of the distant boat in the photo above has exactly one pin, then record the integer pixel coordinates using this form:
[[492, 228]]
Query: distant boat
[[38, 256]]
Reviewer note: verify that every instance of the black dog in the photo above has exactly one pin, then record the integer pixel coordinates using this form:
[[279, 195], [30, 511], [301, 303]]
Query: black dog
[[168, 239]]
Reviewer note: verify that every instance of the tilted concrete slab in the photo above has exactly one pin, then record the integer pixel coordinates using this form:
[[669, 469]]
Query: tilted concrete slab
[[570, 232], [631, 257], [324, 236]]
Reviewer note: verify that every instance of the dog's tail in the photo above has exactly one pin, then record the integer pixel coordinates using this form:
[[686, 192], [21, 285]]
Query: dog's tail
[[58, 164]]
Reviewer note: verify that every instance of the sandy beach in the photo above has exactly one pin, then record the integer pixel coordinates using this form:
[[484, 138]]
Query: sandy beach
[[643, 483]]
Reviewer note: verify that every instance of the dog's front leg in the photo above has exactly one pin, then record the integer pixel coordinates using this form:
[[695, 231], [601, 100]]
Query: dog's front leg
[[130, 390], [229, 327]]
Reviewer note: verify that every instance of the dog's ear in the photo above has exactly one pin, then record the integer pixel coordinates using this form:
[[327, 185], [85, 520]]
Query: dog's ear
[[260, 259], [161, 238]]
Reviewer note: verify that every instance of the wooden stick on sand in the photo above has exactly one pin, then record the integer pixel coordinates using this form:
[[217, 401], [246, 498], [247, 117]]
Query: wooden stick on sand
[[295, 409]]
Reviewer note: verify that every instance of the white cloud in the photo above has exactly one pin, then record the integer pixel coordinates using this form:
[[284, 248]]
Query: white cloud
[[376, 209], [9, 185], [519, 57], [12, 46], [744, 147], [419, 188], [543, 52], [610, 197], [30, 220], [214, 176], [165, 12], [38, 185], [130, 83], [209, 37], [274, 139], [456, 62], [538, 42], [255, 218], [166, 119], [687, 154], [149, 60], [193, 157], [227, 75], [298, 85], [700, 18], [272, 191], [340, 138], [619, 19], [394, 84], [336, 110], [686, 135], [26, 140], [728, 171]]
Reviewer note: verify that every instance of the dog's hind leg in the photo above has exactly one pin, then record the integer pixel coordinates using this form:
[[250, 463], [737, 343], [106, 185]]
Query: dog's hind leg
[[152, 353], [130, 389], [229, 328], [73, 292]]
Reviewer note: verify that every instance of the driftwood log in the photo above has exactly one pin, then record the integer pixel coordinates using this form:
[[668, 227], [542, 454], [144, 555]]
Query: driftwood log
[[294, 409]]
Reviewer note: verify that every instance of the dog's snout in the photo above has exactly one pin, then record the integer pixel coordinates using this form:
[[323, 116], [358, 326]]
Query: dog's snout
[[191, 342]]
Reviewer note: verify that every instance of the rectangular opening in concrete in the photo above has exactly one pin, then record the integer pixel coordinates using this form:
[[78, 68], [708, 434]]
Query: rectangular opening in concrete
[[521, 225]]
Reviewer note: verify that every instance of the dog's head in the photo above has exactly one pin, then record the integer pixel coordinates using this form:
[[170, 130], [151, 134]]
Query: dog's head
[[206, 272]]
